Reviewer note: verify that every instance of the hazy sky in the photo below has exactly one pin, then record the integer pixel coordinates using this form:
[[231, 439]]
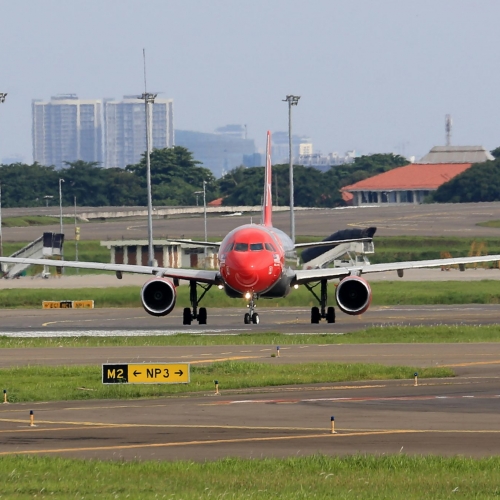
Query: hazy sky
[[375, 76]]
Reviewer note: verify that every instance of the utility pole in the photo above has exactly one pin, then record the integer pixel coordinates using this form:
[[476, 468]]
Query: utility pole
[[148, 99], [77, 236], [292, 101], [3, 95]]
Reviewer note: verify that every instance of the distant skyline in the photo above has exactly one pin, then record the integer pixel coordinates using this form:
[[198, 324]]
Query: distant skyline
[[372, 76]]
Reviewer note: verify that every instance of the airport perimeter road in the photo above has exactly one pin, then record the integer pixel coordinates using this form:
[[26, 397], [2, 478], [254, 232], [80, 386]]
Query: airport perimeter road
[[70, 322], [443, 417], [422, 220]]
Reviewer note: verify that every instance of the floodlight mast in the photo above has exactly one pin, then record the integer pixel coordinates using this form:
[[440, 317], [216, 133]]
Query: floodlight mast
[[3, 95], [148, 99], [292, 100]]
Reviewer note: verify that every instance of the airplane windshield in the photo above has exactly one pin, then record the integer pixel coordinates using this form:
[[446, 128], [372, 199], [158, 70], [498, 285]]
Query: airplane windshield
[[241, 247], [256, 247], [270, 247], [229, 247]]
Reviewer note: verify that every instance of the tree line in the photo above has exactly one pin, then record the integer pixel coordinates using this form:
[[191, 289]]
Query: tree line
[[175, 177]]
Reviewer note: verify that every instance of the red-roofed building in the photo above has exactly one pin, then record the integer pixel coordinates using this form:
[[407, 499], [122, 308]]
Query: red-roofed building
[[408, 184]]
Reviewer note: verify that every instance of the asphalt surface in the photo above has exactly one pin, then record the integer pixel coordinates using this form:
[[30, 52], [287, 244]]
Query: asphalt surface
[[109, 321], [421, 220]]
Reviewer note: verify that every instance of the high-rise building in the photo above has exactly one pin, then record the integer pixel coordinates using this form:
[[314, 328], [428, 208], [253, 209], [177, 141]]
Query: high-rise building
[[125, 129], [66, 129], [219, 152]]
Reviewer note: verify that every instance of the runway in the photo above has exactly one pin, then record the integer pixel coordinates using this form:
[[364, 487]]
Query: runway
[[424, 220], [443, 417], [135, 321]]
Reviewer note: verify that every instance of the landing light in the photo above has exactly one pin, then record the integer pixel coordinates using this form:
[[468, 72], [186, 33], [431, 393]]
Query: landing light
[[248, 295], [220, 287], [295, 286]]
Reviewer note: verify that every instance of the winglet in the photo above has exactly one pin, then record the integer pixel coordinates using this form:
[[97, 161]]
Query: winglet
[[268, 183]]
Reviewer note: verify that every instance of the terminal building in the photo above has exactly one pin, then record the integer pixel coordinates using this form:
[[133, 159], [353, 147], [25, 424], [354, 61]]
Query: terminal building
[[166, 253], [412, 183]]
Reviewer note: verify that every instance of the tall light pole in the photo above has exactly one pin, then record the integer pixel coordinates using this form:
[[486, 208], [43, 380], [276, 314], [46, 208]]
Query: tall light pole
[[292, 101], [204, 192], [149, 99], [60, 206], [3, 95], [1, 238]]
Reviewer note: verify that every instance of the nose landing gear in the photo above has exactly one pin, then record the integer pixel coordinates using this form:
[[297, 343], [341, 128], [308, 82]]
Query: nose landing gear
[[251, 316]]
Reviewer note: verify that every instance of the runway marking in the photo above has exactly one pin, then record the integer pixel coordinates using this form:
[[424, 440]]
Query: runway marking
[[472, 363], [324, 435], [346, 399], [232, 358]]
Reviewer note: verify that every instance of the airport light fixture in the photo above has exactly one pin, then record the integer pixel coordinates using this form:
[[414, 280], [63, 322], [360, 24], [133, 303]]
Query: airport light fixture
[[292, 100], [148, 99]]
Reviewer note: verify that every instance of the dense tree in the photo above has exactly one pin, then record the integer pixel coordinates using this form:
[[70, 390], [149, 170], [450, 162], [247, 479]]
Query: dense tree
[[312, 188], [481, 182], [175, 176], [496, 152]]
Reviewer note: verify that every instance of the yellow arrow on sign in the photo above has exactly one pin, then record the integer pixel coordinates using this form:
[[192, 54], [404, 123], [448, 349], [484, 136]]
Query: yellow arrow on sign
[[158, 373]]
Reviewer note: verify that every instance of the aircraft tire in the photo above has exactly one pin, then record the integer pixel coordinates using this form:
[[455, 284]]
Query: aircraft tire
[[202, 316], [255, 319], [315, 316], [246, 319], [186, 316], [330, 315]]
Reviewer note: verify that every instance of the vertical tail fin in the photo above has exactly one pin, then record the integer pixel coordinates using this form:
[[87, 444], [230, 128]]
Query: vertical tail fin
[[268, 184]]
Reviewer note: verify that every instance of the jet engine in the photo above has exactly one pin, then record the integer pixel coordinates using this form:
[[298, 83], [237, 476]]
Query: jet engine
[[353, 295], [158, 296]]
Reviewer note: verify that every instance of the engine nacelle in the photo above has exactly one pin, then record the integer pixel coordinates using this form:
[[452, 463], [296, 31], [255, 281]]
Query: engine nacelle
[[353, 295], [158, 296]]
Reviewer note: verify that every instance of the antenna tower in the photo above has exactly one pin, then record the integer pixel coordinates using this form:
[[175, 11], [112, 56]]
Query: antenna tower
[[448, 124]]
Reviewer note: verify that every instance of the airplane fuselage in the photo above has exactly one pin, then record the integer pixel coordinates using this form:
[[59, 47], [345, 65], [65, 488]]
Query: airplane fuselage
[[255, 259]]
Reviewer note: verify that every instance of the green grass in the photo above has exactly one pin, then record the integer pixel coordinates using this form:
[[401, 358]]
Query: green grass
[[373, 335], [36, 220], [384, 294], [398, 477], [60, 383], [489, 223]]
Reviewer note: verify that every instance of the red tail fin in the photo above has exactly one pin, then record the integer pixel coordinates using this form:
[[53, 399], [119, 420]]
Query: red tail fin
[[268, 184]]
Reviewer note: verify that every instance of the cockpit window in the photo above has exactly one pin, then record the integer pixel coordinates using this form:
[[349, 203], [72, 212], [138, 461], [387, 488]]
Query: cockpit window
[[270, 247], [229, 247], [256, 247], [241, 247]]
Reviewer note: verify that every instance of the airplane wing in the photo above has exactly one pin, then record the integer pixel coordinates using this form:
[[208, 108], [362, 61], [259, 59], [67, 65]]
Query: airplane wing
[[330, 243], [215, 244], [309, 275], [199, 275]]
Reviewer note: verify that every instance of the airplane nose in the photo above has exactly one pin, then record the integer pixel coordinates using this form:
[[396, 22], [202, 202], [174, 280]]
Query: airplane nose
[[250, 271]]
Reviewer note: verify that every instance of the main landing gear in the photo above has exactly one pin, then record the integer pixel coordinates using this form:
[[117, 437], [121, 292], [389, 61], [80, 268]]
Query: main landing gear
[[317, 313], [251, 316], [200, 314]]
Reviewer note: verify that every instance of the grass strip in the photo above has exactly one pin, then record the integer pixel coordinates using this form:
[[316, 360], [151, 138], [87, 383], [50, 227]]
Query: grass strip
[[58, 383], [374, 335], [296, 478], [384, 294]]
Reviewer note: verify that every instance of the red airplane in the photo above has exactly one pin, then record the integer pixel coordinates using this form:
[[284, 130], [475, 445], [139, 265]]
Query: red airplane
[[255, 261]]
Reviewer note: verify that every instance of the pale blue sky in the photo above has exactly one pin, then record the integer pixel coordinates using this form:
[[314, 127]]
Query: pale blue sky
[[375, 76]]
